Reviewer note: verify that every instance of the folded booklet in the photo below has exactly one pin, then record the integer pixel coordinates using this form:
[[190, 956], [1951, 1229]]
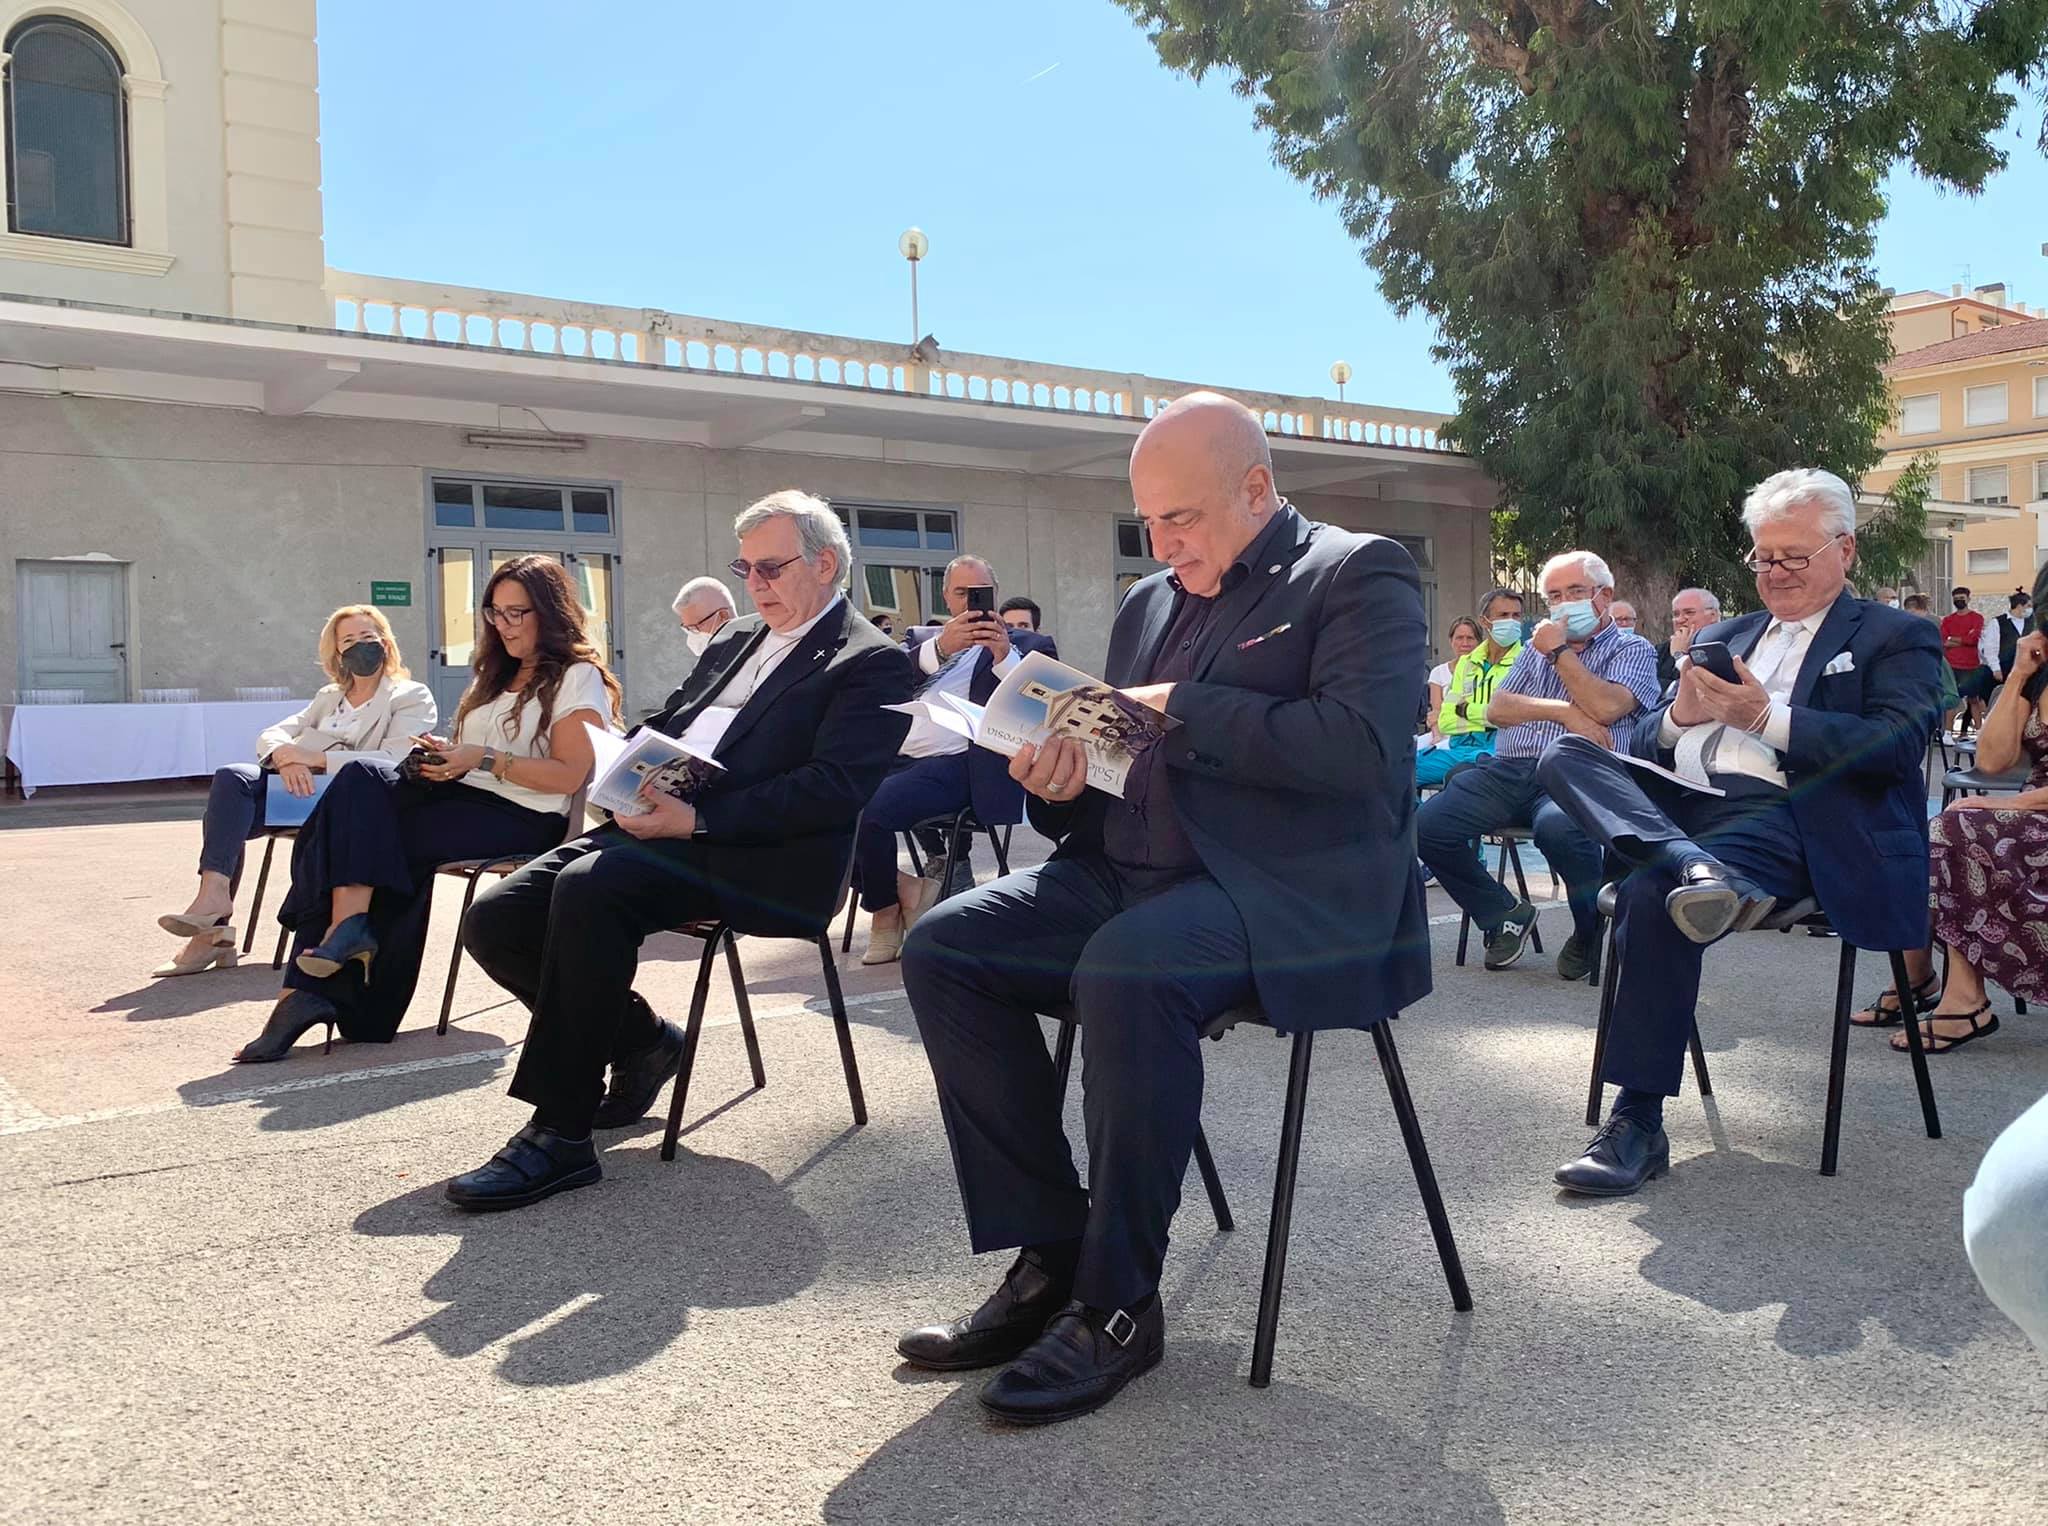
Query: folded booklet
[[647, 757], [1042, 697]]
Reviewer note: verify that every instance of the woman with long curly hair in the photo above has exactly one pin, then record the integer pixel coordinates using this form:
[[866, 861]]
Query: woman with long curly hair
[[500, 783]]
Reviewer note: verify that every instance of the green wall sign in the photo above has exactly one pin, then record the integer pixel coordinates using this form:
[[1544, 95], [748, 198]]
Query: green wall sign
[[391, 593]]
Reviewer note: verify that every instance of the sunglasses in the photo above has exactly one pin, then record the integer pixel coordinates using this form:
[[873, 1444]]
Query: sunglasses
[[743, 569]]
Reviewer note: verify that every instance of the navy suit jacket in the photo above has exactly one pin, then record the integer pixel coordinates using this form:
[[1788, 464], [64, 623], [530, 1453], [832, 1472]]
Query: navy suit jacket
[[1293, 769], [997, 798], [801, 759], [1854, 763]]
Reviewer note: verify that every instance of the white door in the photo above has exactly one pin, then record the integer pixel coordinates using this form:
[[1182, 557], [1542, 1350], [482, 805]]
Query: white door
[[74, 627]]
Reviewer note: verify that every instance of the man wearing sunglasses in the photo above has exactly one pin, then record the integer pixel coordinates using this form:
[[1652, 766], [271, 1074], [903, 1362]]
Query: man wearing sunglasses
[[791, 703], [1812, 740]]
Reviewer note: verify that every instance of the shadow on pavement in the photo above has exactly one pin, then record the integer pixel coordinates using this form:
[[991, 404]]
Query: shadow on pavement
[[1740, 1234], [1204, 1447], [183, 995], [311, 1090], [609, 1274]]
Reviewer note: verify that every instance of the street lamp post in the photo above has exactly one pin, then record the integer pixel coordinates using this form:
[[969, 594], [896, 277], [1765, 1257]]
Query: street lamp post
[[913, 246], [1340, 373]]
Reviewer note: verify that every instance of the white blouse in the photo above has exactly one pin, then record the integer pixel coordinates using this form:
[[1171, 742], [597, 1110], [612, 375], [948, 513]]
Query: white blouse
[[486, 726]]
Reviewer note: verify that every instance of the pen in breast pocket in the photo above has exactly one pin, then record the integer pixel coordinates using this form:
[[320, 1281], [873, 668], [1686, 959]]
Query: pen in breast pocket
[[1246, 646]]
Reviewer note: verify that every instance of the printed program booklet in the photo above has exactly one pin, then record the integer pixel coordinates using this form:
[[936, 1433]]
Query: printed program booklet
[[1042, 697], [648, 757]]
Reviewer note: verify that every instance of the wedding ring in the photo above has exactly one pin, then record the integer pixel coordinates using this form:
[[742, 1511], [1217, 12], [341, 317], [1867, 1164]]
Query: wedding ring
[[1059, 783]]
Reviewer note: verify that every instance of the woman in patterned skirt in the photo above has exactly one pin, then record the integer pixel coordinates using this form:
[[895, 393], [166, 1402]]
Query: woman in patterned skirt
[[1989, 890]]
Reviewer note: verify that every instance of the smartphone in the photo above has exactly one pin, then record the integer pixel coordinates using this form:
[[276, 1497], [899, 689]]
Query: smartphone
[[982, 600], [1715, 657]]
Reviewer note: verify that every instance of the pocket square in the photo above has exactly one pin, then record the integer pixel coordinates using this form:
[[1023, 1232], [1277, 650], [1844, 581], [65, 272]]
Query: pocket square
[[1841, 662]]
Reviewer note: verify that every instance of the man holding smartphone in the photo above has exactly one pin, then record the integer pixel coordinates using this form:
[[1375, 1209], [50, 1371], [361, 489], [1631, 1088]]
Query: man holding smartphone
[[937, 772], [1797, 735]]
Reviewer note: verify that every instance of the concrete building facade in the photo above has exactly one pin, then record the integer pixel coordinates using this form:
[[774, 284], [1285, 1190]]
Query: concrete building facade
[[208, 439]]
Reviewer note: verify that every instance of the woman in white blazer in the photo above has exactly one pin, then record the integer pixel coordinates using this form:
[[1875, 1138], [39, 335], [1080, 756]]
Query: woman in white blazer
[[372, 709]]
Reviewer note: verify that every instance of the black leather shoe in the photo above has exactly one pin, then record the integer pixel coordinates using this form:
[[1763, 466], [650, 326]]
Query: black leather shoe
[[638, 1079], [1622, 1156], [1712, 899], [534, 1164], [1014, 1316], [1083, 1360], [295, 1012], [351, 940]]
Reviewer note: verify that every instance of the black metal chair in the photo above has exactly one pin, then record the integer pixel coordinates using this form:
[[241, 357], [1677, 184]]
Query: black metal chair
[[1958, 782], [958, 827], [714, 933], [270, 835], [1805, 913], [1510, 854], [470, 870], [1291, 1116]]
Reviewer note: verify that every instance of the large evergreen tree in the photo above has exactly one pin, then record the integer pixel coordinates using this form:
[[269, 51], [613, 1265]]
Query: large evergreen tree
[[1644, 230]]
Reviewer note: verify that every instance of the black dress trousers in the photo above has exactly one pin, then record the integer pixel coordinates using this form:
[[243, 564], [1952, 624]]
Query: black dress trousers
[[375, 827]]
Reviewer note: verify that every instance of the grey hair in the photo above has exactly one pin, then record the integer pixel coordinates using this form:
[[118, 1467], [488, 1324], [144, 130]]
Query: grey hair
[[1778, 495], [695, 586], [1596, 570], [1713, 599], [980, 561], [817, 527]]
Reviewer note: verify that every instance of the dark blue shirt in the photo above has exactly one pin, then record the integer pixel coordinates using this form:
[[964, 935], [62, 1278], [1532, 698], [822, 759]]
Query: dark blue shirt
[[1142, 835]]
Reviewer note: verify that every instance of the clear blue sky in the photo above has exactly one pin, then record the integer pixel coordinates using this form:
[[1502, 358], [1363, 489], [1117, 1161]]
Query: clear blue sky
[[757, 161]]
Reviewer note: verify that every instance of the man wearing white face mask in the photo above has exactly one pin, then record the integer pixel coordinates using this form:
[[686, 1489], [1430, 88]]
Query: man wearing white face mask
[[1578, 673], [702, 607]]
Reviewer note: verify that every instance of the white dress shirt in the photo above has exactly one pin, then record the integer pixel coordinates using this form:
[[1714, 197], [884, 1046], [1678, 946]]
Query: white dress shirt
[[1713, 748], [955, 675], [709, 728]]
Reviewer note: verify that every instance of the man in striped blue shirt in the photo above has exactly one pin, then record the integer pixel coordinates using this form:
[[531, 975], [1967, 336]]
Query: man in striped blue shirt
[[1579, 674]]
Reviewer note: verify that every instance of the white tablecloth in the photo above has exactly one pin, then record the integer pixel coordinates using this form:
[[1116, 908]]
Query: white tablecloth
[[105, 744]]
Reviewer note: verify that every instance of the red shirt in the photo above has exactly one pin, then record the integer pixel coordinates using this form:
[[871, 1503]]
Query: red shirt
[[1960, 633]]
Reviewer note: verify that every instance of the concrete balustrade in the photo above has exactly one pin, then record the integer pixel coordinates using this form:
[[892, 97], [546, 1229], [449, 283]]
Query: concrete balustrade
[[647, 336]]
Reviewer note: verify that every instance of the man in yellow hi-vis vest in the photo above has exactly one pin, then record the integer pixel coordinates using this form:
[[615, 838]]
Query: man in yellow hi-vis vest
[[1461, 728]]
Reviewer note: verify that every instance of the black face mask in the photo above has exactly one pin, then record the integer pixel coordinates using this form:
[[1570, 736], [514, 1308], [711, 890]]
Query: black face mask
[[364, 658]]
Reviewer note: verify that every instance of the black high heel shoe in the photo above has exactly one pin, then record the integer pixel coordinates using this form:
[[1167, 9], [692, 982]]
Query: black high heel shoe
[[352, 940], [295, 1012]]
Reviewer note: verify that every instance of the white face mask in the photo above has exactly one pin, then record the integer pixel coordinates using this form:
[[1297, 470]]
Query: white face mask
[[697, 641]]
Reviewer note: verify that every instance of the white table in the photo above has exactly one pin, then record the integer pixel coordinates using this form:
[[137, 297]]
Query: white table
[[107, 744]]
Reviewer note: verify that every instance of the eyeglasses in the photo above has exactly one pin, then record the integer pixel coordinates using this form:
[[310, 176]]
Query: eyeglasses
[[698, 625], [743, 569], [1763, 564], [512, 617], [1568, 595]]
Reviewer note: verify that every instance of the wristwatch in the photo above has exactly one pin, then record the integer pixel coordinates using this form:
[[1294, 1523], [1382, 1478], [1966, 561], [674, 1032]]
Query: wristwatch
[[489, 762]]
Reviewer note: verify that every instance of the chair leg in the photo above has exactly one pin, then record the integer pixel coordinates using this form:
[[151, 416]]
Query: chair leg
[[1464, 936], [1610, 977], [1063, 1056], [846, 1060], [1425, 1174], [256, 906], [1211, 1181], [852, 906], [1513, 855], [1002, 849], [455, 957], [1838, 1058], [1699, 1062], [1283, 1208], [691, 1033], [1909, 1009], [739, 997], [284, 936]]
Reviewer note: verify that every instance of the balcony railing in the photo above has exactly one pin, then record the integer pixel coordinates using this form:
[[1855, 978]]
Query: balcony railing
[[462, 315]]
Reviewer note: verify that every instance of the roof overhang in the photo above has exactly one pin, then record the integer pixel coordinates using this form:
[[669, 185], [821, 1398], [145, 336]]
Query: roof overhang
[[76, 349]]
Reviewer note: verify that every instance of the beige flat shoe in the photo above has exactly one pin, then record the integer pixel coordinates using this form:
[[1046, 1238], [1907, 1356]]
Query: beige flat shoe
[[927, 894], [222, 954], [885, 945]]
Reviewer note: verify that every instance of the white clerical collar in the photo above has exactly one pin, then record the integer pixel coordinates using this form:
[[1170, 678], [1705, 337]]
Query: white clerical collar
[[792, 637]]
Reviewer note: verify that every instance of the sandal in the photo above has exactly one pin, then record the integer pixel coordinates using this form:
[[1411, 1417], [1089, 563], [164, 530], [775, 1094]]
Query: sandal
[[1937, 1043], [1925, 995]]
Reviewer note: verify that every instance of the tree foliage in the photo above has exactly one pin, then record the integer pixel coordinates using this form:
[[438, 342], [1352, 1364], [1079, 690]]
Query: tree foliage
[[1644, 230]]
